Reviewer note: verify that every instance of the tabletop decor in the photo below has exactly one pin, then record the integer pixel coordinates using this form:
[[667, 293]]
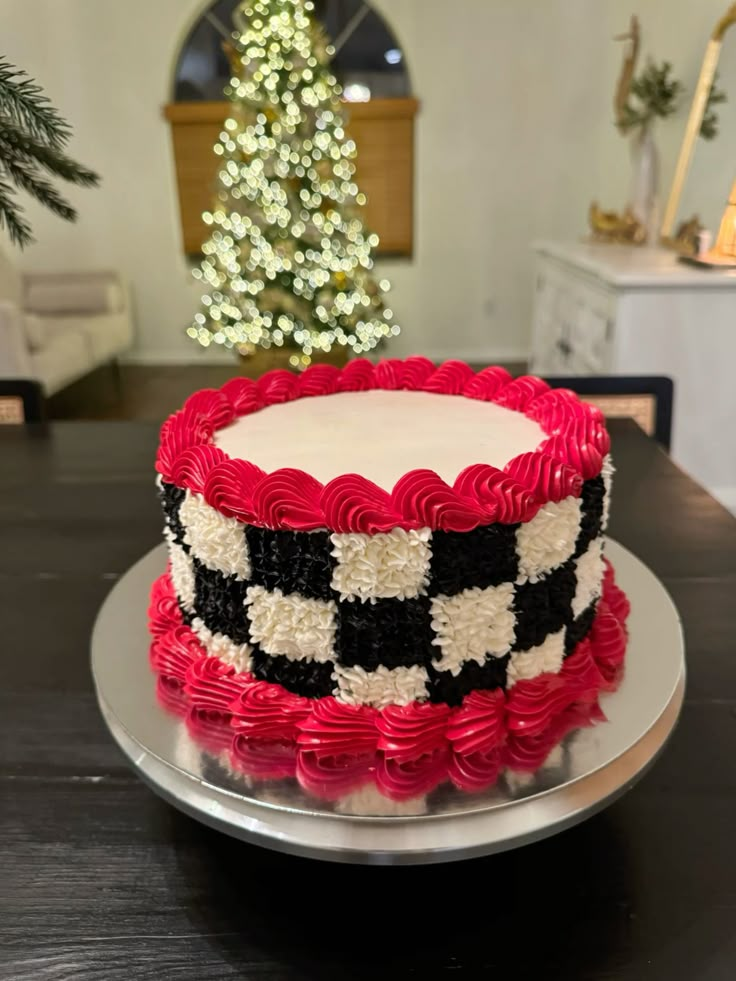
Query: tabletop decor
[[639, 101], [723, 254], [698, 118]]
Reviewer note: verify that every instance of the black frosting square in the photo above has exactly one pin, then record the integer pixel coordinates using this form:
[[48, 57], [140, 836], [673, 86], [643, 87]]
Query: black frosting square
[[544, 607], [294, 562], [312, 679], [396, 633], [451, 689], [171, 497], [187, 618], [483, 557], [579, 628], [591, 519], [220, 602]]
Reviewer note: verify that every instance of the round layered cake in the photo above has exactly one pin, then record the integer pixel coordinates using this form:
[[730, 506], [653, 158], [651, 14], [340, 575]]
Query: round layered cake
[[396, 559]]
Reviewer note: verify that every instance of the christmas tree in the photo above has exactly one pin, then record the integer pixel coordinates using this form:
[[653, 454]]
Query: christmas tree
[[288, 261]]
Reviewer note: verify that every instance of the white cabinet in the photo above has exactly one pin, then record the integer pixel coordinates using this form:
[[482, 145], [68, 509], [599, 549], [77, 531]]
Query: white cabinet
[[573, 319], [610, 309]]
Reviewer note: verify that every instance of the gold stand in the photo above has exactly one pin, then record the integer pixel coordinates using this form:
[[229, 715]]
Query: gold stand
[[695, 120]]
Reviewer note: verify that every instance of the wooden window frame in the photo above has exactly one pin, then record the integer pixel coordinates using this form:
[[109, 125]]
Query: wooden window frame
[[383, 130]]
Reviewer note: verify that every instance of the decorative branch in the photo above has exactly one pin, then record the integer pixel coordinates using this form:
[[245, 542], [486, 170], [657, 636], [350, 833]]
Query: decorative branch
[[728, 20], [623, 88], [709, 125], [26, 177], [26, 105], [11, 217], [15, 143], [656, 95], [33, 137]]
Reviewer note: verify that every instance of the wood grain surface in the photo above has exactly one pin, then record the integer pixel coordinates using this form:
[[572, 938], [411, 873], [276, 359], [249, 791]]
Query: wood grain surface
[[102, 880]]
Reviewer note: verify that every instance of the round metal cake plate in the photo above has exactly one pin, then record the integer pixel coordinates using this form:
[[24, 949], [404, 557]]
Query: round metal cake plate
[[591, 768]]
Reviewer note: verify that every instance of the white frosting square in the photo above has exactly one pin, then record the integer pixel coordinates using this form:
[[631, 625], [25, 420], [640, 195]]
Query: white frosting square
[[182, 572], [384, 686], [473, 624], [216, 540], [286, 623], [392, 565], [547, 656], [589, 571], [548, 539], [222, 646], [607, 473]]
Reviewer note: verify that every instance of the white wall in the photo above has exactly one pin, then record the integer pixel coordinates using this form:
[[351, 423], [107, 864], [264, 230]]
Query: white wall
[[514, 139]]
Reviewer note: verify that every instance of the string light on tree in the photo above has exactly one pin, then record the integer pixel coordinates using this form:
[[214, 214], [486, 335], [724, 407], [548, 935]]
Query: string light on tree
[[288, 261]]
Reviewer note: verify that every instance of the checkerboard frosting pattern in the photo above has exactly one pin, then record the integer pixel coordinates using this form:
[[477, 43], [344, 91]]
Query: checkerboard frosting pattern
[[393, 617]]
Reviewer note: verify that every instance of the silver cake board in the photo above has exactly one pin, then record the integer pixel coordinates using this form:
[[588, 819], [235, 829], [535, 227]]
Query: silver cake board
[[590, 769]]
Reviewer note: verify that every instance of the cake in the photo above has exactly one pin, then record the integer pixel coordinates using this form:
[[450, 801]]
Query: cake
[[396, 567]]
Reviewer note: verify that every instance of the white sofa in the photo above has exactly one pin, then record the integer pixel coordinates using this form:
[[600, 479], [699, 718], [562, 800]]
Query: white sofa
[[57, 327]]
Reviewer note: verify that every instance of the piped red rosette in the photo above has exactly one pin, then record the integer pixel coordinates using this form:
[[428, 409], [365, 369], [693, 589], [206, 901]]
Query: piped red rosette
[[573, 451], [332, 777], [406, 749], [263, 759]]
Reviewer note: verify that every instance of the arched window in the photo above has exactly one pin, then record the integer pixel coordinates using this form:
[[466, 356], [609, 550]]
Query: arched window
[[371, 66], [369, 61]]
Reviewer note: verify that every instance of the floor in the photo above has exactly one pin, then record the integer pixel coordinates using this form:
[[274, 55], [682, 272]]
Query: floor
[[149, 392]]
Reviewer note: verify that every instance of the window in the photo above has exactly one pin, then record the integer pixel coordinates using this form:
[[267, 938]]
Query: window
[[371, 66]]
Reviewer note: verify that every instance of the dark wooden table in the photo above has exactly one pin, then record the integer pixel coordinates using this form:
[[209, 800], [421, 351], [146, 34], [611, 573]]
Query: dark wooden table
[[99, 879]]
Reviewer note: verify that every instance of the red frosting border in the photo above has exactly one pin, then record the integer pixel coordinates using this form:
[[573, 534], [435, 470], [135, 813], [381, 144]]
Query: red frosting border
[[576, 444], [408, 745]]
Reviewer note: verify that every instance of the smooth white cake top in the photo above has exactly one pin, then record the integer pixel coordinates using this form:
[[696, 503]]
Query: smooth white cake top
[[380, 435]]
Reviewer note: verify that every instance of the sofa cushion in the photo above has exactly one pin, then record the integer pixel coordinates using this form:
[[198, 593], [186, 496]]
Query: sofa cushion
[[40, 330], [82, 295]]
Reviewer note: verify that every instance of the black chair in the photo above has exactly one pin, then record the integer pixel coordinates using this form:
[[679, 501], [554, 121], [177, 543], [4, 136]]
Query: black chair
[[647, 399], [21, 401]]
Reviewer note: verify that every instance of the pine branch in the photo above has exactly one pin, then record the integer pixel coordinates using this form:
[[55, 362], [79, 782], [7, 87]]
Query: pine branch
[[656, 94], [64, 166], [14, 143], [24, 102], [11, 217], [26, 177], [709, 125]]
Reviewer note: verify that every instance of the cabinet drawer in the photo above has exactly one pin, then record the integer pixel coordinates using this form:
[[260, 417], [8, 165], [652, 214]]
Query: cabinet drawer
[[596, 342], [592, 324], [573, 323], [550, 321]]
